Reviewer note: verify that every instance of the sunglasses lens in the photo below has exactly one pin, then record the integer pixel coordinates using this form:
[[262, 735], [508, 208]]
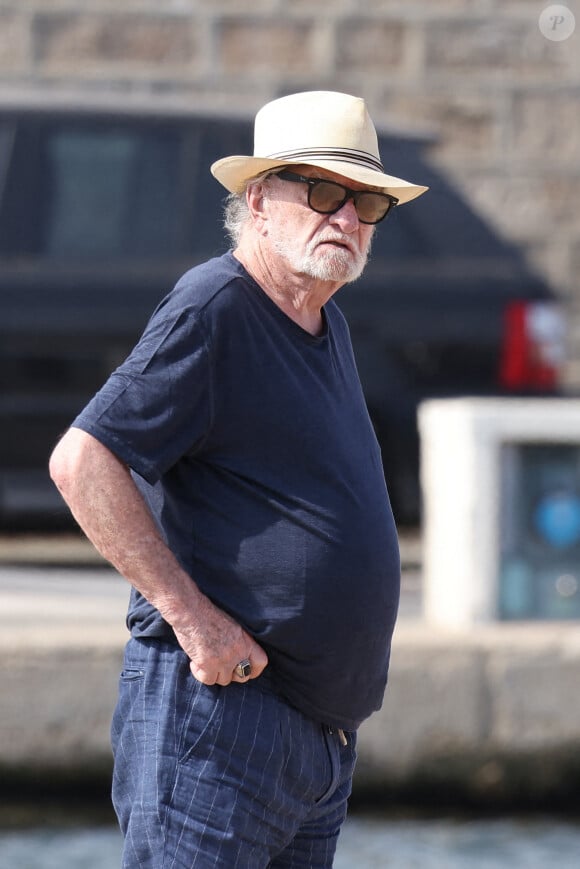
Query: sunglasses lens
[[372, 207], [326, 197]]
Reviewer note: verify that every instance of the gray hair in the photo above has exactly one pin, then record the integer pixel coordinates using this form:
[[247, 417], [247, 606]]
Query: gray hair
[[236, 211], [236, 215]]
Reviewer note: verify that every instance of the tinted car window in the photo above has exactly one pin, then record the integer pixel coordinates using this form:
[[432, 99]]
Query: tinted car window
[[92, 192], [109, 190], [100, 202]]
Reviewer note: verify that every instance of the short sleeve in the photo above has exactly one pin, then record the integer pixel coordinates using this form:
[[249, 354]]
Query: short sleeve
[[157, 406]]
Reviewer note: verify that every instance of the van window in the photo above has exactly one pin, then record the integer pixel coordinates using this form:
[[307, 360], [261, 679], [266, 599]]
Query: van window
[[91, 193]]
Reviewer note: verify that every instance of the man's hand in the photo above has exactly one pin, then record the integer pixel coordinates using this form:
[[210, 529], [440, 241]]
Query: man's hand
[[216, 644]]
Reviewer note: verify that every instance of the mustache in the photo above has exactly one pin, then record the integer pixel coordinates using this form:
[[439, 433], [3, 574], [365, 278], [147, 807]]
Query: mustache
[[336, 238]]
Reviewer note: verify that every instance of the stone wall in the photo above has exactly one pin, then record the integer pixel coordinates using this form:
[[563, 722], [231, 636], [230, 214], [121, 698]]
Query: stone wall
[[502, 99], [488, 718]]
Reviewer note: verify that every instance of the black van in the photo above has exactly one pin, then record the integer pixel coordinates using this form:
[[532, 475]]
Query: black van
[[100, 212]]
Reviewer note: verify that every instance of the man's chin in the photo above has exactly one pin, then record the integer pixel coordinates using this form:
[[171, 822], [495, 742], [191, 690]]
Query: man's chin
[[339, 266]]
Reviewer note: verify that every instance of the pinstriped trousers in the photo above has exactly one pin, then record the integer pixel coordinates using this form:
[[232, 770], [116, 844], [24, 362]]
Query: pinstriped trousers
[[234, 777]]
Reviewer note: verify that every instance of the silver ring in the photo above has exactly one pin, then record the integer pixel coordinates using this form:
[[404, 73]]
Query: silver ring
[[243, 669]]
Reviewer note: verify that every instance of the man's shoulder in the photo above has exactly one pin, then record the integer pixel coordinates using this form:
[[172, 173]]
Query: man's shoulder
[[203, 283]]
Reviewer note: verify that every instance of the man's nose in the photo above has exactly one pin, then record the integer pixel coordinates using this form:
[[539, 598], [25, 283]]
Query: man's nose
[[347, 216]]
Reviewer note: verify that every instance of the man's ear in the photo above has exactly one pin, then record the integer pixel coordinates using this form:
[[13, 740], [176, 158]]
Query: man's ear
[[256, 203]]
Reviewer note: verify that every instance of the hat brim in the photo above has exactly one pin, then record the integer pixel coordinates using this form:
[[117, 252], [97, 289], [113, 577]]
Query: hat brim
[[235, 172]]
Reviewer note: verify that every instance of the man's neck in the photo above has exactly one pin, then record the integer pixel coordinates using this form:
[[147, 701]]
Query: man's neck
[[300, 297]]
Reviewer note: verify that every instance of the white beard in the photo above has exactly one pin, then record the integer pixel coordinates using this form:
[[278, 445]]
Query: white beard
[[331, 263]]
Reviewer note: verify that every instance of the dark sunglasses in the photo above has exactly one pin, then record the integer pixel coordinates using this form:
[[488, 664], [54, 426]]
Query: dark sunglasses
[[328, 197]]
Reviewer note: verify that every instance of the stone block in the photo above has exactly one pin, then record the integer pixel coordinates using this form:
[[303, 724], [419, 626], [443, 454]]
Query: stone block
[[468, 123], [522, 206], [434, 705], [553, 258], [250, 47], [56, 707], [418, 8], [97, 6], [370, 45], [14, 42], [217, 8], [93, 43], [492, 46], [546, 128], [534, 699], [491, 714], [575, 264], [312, 7]]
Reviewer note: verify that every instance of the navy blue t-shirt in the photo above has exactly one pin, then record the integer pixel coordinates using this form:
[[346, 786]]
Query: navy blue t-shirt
[[251, 442]]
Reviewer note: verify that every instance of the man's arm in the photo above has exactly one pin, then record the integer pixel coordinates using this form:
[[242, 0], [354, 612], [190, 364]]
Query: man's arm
[[106, 503]]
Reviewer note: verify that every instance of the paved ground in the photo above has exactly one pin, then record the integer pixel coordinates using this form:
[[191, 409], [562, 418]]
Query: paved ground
[[50, 606]]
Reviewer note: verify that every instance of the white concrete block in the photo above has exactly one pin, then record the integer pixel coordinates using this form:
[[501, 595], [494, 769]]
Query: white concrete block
[[461, 441]]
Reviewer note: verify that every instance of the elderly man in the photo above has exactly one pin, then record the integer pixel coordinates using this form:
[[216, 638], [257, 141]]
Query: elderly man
[[228, 469]]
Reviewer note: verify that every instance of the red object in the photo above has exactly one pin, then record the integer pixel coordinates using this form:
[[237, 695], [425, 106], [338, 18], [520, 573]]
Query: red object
[[532, 350]]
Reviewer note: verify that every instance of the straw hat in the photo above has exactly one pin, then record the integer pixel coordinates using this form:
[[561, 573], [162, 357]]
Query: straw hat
[[326, 129]]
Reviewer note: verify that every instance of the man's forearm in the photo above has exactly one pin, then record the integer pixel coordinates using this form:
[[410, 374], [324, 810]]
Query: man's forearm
[[108, 506], [106, 503]]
